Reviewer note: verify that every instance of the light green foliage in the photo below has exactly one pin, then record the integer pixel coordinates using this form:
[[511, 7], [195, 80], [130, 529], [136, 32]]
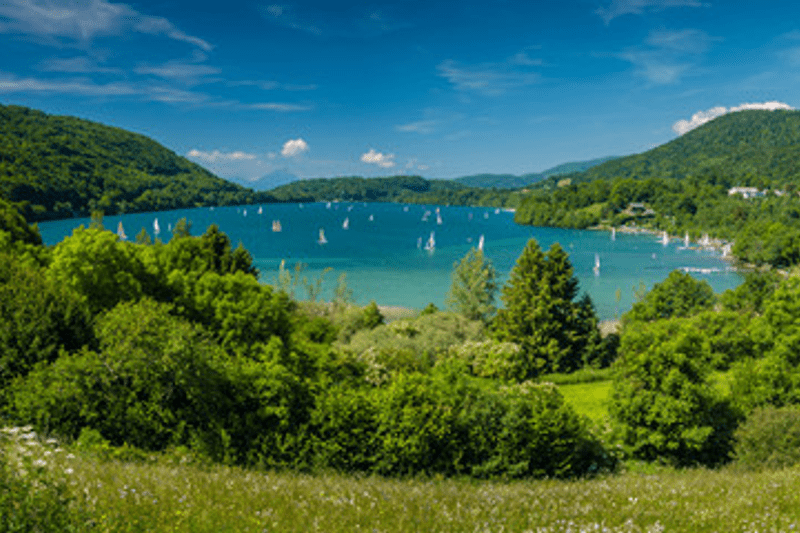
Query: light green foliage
[[663, 403], [555, 333], [489, 359], [210, 252], [474, 285], [680, 295], [101, 268], [749, 297]]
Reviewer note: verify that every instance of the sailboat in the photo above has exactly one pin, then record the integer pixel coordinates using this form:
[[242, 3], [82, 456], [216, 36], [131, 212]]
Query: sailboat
[[486, 215], [244, 213], [260, 210], [156, 227], [438, 217], [328, 205], [371, 218], [276, 226], [706, 241], [480, 243], [346, 223], [596, 264], [497, 211], [121, 231], [686, 241], [405, 209], [613, 234], [664, 238], [322, 239], [431, 244]]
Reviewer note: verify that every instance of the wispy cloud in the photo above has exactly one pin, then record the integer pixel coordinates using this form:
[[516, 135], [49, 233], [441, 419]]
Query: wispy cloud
[[285, 15], [667, 56], [617, 8], [278, 106], [294, 147], [83, 21], [339, 21], [75, 65], [420, 126], [377, 158], [184, 72], [701, 117], [216, 155], [488, 79], [271, 85]]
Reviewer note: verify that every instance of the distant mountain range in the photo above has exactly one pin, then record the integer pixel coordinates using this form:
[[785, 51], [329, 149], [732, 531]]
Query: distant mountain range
[[269, 181], [511, 181]]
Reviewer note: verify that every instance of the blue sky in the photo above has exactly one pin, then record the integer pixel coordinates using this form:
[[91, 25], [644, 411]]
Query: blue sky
[[322, 89]]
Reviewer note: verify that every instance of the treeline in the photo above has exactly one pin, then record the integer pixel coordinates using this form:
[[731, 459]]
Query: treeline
[[60, 167], [177, 346], [399, 189], [511, 181]]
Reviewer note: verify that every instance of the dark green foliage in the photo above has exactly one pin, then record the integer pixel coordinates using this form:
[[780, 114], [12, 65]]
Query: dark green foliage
[[474, 285], [769, 438], [14, 223], [663, 404], [680, 295], [555, 333], [63, 166], [211, 252], [429, 309], [372, 316], [38, 319], [750, 295]]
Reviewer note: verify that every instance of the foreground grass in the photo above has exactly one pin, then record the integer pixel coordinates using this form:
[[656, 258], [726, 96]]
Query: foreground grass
[[159, 496]]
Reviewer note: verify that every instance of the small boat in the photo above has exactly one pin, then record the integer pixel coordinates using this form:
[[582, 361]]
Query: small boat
[[260, 210], [613, 234], [121, 231], [349, 208], [480, 243], [276, 226], [346, 223], [486, 215], [431, 244], [438, 217], [686, 241], [705, 241], [322, 239], [244, 213], [405, 209], [726, 250], [596, 264], [665, 238], [156, 227], [328, 205], [497, 211], [169, 227], [371, 218]]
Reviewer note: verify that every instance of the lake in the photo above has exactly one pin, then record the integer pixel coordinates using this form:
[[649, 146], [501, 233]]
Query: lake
[[382, 250]]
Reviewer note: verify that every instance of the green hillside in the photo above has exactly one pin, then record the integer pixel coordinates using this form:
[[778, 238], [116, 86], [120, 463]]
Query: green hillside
[[745, 148], [510, 181], [65, 166]]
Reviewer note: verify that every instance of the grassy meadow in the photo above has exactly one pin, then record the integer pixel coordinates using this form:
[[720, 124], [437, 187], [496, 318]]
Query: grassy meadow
[[161, 494]]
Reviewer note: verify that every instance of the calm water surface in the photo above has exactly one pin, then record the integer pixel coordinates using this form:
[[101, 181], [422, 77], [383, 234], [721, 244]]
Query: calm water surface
[[383, 262]]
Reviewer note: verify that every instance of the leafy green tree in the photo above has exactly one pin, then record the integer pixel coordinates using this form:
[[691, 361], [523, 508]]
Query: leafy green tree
[[474, 285], [662, 401], [540, 313], [680, 295]]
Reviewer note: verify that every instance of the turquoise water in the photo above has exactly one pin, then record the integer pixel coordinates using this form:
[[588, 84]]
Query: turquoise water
[[383, 263]]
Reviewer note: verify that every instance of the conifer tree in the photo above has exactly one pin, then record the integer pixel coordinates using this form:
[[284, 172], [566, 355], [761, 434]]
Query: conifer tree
[[472, 292], [541, 316]]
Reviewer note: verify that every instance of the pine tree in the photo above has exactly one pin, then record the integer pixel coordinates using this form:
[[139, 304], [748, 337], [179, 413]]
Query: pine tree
[[472, 292], [540, 313]]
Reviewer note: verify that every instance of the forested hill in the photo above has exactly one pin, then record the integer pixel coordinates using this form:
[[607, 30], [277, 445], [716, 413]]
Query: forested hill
[[744, 148], [408, 189], [510, 181], [65, 166]]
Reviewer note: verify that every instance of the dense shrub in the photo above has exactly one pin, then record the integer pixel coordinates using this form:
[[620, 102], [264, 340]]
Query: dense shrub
[[680, 295], [769, 438]]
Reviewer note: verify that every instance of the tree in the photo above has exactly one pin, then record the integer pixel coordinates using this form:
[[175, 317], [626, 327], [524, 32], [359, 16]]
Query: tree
[[472, 292], [540, 314], [680, 295], [662, 400]]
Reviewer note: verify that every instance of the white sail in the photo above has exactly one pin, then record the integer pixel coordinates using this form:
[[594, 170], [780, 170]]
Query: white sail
[[596, 264], [371, 218], [686, 241], [346, 223], [156, 227], [328, 205], [486, 215], [613, 234], [276, 226], [244, 213], [438, 217], [431, 244], [497, 211], [706, 241], [664, 238], [405, 209], [260, 210], [322, 239], [480, 243], [121, 231]]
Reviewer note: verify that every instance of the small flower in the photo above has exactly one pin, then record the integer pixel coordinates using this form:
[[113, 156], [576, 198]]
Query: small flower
[[40, 462], [68, 471]]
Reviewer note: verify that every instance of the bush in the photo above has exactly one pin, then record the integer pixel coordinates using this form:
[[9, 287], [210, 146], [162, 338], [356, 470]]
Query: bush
[[769, 438], [680, 295]]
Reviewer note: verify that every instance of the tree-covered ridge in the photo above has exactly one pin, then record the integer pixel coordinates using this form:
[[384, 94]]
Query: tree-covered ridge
[[754, 147], [61, 166], [401, 189], [510, 181]]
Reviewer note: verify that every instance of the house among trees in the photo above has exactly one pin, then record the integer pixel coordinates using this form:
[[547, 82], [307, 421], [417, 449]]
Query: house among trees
[[639, 210], [746, 192]]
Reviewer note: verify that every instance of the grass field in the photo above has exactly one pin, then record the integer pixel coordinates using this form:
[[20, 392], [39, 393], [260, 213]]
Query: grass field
[[134, 497], [589, 399]]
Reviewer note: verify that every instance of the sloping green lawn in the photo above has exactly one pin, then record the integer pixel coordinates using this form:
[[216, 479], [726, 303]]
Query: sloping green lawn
[[590, 399]]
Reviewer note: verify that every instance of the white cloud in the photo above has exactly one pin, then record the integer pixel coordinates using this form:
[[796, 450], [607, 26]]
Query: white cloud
[[377, 158], [294, 147], [83, 20], [190, 73], [82, 65], [701, 117], [618, 8], [667, 56], [216, 155]]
